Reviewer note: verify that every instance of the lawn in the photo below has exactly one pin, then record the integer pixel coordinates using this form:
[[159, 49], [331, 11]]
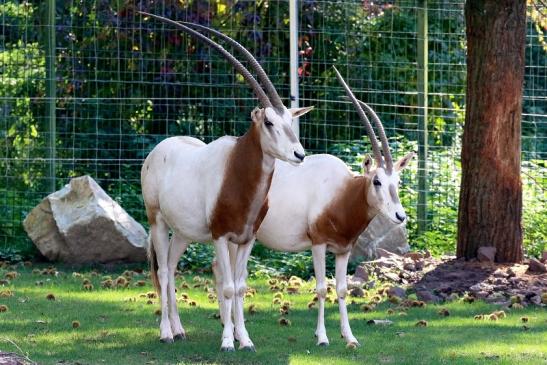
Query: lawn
[[118, 326]]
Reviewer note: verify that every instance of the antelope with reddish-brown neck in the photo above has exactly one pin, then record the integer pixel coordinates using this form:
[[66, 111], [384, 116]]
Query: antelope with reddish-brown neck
[[323, 205], [215, 192]]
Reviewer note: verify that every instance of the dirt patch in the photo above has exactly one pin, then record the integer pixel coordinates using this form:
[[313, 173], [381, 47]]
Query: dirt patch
[[437, 280]]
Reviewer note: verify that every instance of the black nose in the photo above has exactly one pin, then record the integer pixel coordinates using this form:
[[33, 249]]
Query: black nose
[[400, 217], [299, 156]]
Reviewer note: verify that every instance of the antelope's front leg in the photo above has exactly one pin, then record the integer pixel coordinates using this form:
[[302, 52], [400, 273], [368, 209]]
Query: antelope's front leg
[[240, 277], [319, 256], [341, 291], [227, 292]]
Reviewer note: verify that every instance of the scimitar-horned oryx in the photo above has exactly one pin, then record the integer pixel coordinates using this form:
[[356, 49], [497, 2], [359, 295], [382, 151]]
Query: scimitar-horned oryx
[[215, 192], [323, 205]]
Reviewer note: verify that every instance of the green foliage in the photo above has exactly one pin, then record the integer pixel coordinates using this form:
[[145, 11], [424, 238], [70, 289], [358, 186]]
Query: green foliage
[[263, 262], [125, 82], [535, 207]]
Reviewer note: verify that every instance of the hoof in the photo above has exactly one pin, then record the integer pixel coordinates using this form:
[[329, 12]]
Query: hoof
[[323, 344], [180, 337], [248, 349], [167, 340], [227, 349], [352, 345]]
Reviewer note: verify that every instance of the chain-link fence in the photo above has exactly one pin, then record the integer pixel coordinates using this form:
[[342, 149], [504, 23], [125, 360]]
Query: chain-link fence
[[91, 88]]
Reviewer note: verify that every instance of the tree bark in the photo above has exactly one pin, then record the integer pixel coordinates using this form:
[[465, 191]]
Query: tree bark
[[490, 208]]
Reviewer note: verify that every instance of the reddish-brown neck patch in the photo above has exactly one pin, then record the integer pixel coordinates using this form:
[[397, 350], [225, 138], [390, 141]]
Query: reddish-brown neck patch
[[236, 214], [345, 218]]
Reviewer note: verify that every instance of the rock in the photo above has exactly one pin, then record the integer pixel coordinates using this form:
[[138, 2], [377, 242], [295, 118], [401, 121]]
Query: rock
[[392, 276], [11, 358], [427, 296], [396, 291], [419, 265], [409, 266], [537, 266], [81, 224], [536, 299], [500, 281], [361, 273], [495, 297], [380, 322], [414, 255], [385, 253], [486, 254], [384, 262], [544, 257], [499, 273], [354, 283], [381, 234], [357, 292]]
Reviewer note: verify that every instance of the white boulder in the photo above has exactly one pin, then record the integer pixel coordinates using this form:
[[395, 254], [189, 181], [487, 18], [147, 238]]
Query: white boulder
[[381, 234], [81, 224]]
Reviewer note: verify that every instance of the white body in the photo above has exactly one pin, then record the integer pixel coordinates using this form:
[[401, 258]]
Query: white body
[[297, 197], [188, 163]]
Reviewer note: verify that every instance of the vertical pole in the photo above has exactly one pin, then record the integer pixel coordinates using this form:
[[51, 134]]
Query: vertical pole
[[50, 90], [422, 115], [295, 95]]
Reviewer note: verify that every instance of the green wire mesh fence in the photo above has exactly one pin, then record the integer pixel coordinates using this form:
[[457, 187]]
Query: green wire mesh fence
[[91, 88]]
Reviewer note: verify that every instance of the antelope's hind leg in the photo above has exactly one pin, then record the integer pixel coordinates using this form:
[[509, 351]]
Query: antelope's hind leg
[[176, 248], [160, 242]]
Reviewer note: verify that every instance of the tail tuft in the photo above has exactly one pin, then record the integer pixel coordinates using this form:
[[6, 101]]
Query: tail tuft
[[153, 265]]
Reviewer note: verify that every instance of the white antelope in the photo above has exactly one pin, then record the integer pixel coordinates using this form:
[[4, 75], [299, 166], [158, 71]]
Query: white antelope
[[215, 192], [323, 205]]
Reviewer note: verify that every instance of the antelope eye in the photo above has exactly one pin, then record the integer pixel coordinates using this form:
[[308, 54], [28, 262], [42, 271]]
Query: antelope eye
[[377, 182], [268, 123]]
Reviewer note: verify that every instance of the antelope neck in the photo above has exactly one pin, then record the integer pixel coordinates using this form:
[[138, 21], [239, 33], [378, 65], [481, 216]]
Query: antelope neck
[[242, 201], [346, 217]]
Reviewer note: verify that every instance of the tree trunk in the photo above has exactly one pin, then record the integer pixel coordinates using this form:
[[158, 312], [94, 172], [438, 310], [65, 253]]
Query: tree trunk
[[491, 192]]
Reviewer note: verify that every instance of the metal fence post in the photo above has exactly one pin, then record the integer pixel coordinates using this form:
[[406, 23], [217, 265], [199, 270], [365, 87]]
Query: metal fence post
[[293, 28], [50, 91], [422, 114]]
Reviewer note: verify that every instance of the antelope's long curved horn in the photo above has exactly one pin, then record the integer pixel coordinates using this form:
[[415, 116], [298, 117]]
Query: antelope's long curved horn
[[364, 119], [255, 65], [382, 133], [259, 92]]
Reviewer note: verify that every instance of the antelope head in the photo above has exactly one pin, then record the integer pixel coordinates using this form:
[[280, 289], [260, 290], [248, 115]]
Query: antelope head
[[382, 194], [273, 120]]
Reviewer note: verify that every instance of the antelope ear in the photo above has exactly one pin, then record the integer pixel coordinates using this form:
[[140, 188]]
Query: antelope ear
[[257, 115], [297, 112], [404, 161], [367, 163]]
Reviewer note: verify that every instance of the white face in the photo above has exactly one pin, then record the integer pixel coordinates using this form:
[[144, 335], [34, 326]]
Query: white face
[[383, 193], [277, 137]]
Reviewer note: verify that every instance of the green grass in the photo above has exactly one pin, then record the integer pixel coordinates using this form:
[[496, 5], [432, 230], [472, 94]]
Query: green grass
[[114, 330]]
